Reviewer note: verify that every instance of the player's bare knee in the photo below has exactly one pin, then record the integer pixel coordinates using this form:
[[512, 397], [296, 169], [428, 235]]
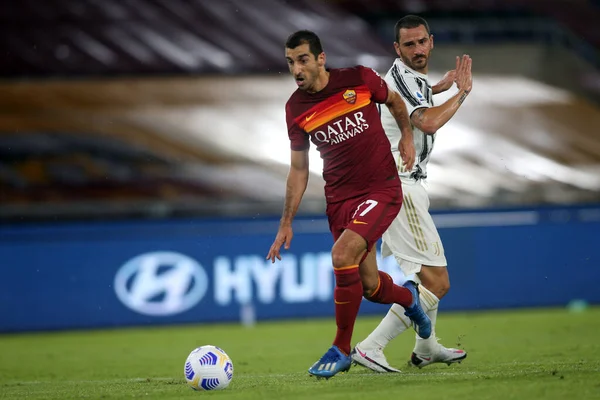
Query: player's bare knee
[[436, 280], [442, 289], [438, 287], [340, 258]]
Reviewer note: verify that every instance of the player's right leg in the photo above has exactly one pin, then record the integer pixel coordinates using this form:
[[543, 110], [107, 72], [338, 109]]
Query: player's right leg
[[346, 254]]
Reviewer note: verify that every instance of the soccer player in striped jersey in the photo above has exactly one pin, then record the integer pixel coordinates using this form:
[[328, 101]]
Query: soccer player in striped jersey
[[412, 238], [336, 110]]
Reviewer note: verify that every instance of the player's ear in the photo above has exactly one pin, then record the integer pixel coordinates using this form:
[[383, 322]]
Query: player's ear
[[322, 59], [431, 40], [397, 48]]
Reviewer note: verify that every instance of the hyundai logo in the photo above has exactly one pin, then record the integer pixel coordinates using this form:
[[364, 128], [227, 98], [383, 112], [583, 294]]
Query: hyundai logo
[[161, 283]]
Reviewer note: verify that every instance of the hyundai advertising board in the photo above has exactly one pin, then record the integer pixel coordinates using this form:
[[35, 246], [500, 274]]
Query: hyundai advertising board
[[123, 274]]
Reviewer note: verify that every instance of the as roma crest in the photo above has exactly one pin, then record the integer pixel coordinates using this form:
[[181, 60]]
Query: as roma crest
[[350, 96]]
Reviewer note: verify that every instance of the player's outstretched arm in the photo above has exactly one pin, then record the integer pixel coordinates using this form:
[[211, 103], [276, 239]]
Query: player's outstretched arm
[[296, 185], [429, 120], [406, 146]]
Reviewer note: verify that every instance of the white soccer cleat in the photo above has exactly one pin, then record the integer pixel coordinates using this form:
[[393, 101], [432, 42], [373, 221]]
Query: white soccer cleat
[[372, 359], [442, 355]]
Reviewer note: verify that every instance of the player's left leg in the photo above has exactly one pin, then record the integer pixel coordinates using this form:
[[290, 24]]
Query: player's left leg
[[429, 351]]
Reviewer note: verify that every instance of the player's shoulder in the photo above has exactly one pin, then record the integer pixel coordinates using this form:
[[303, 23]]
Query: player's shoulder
[[398, 68], [347, 72], [359, 72], [400, 75], [293, 100]]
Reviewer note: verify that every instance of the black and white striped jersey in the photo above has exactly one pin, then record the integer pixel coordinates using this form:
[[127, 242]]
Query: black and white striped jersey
[[416, 92]]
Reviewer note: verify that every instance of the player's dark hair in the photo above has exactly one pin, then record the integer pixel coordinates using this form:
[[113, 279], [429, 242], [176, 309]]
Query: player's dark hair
[[305, 37], [409, 22]]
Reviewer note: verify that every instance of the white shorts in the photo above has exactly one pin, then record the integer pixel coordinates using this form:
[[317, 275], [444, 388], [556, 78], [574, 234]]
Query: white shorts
[[412, 238]]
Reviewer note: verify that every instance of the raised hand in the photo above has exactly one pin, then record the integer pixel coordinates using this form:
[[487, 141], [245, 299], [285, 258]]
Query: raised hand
[[464, 78]]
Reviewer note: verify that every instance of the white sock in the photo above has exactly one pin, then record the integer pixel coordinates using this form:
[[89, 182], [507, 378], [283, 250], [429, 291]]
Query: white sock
[[429, 302], [392, 325], [395, 322]]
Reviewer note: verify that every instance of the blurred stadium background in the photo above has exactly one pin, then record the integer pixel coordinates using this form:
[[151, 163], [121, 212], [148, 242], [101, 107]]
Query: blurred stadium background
[[143, 157]]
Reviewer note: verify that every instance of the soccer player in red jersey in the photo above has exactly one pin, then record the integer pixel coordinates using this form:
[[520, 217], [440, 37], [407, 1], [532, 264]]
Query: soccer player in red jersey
[[336, 109]]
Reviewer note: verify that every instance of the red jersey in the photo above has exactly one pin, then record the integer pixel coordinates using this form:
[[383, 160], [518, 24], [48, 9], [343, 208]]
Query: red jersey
[[343, 122]]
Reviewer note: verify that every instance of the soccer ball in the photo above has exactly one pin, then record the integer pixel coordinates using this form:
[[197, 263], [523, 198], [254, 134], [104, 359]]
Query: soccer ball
[[208, 368]]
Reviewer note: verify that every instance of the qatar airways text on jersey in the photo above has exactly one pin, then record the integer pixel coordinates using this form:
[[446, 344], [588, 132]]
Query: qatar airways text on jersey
[[342, 129]]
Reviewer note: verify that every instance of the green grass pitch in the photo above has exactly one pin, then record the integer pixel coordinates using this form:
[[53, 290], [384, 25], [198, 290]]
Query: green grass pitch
[[527, 354]]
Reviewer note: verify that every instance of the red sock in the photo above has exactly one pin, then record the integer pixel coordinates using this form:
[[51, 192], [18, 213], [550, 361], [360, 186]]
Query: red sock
[[388, 292], [347, 297]]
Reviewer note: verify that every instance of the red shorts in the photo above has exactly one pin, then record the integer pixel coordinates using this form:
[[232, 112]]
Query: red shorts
[[368, 215]]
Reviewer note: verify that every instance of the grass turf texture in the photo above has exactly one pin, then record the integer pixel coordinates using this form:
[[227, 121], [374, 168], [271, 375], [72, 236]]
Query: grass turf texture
[[529, 354]]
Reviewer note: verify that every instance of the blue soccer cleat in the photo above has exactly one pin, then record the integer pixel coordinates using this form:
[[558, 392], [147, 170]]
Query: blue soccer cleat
[[420, 321], [332, 362]]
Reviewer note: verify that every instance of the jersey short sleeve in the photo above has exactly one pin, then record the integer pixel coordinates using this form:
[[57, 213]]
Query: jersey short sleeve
[[299, 139], [376, 84], [409, 90]]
